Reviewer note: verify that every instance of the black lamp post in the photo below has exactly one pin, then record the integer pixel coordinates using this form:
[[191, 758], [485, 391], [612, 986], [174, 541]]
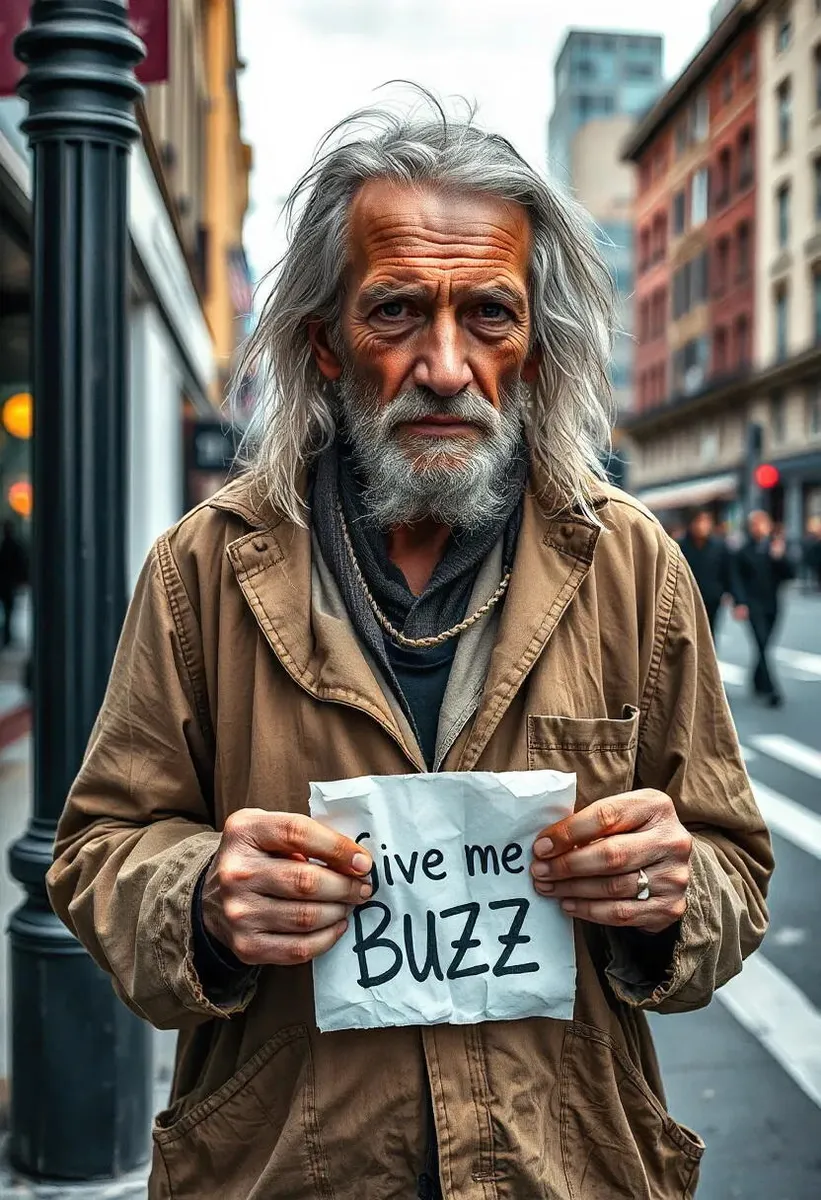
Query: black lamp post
[[81, 1079]]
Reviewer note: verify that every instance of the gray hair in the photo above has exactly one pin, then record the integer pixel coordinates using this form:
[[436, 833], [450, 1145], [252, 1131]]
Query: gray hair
[[568, 416]]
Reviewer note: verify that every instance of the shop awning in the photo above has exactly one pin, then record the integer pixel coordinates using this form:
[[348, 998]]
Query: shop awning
[[691, 493]]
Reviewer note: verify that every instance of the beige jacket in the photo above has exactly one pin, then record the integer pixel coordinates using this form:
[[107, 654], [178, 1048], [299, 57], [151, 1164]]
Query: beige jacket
[[234, 687]]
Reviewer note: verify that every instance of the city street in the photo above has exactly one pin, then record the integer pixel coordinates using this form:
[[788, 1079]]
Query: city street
[[746, 1072]]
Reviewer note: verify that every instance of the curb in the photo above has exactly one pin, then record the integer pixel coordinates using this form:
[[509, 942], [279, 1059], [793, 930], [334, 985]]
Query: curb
[[14, 724]]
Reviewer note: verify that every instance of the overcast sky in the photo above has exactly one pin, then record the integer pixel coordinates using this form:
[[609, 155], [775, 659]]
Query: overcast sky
[[310, 62]]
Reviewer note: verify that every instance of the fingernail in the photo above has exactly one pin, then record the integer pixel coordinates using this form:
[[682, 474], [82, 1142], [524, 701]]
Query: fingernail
[[569, 905], [542, 870], [365, 891], [542, 847], [361, 863], [546, 887], [343, 927]]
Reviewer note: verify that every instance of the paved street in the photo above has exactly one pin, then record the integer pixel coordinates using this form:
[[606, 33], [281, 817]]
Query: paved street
[[746, 1072]]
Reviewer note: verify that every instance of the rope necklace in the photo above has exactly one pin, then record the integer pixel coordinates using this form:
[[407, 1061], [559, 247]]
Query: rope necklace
[[424, 643]]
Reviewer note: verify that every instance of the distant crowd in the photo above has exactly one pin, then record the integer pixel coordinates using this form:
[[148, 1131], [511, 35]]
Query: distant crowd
[[747, 574]]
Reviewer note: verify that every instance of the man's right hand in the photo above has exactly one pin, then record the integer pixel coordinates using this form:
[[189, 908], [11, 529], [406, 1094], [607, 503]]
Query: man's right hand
[[741, 612], [266, 902]]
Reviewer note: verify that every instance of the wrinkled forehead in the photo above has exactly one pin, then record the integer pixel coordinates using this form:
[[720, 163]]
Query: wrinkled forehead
[[398, 227]]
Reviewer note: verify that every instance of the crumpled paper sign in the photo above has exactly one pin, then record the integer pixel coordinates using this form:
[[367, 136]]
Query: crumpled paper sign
[[454, 931]]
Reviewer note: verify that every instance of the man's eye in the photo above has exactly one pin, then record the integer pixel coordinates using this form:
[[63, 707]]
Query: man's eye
[[392, 309], [493, 312]]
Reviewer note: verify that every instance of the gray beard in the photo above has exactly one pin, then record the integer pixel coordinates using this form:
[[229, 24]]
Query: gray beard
[[459, 482]]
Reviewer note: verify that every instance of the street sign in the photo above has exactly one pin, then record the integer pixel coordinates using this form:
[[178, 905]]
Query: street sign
[[149, 19]]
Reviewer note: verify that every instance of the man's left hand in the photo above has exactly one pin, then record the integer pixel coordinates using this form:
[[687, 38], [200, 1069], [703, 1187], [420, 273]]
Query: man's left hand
[[591, 861]]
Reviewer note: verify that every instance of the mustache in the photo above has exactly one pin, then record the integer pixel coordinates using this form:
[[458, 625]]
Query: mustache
[[419, 403]]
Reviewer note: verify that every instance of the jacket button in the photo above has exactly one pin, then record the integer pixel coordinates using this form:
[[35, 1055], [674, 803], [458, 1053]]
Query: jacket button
[[260, 545], [567, 531]]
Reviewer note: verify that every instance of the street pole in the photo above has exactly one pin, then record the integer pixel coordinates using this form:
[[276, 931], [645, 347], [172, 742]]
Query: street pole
[[81, 1077]]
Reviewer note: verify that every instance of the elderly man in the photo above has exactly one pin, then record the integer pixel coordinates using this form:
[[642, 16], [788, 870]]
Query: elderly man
[[420, 570]]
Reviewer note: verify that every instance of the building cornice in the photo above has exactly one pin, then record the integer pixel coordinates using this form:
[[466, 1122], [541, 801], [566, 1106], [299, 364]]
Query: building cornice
[[698, 68]]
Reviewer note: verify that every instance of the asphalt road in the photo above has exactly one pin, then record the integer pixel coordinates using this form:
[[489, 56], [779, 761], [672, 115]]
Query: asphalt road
[[746, 1071]]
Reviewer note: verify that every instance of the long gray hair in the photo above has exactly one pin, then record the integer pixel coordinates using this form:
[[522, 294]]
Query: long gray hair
[[567, 419]]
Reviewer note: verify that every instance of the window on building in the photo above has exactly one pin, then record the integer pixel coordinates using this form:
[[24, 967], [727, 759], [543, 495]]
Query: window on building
[[681, 138], [817, 77], [659, 248], [644, 321], [784, 108], [783, 30], [721, 266], [644, 249], [639, 70], [782, 314], [745, 157], [720, 350], [742, 340], [813, 411], [782, 209], [584, 68], [777, 421], [816, 305], [743, 250], [699, 197], [727, 86], [679, 213], [690, 365], [747, 63], [724, 174], [701, 117]]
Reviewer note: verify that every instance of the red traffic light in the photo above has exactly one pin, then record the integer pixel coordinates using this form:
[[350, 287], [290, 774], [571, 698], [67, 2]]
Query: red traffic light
[[766, 475]]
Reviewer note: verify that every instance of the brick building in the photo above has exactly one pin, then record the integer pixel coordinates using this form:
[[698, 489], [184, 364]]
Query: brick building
[[695, 154]]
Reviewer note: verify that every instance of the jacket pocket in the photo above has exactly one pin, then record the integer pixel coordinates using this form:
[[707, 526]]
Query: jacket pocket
[[258, 1130], [618, 1141], [600, 750]]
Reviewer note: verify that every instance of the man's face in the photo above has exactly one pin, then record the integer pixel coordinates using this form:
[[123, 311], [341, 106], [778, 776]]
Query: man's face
[[760, 525], [701, 526], [434, 361]]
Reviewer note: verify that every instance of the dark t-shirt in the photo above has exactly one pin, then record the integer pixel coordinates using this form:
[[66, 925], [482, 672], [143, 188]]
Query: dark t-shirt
[[423, 676]]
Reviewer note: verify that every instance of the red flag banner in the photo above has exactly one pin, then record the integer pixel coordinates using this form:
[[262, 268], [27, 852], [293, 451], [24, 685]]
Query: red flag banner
[[149, 19]]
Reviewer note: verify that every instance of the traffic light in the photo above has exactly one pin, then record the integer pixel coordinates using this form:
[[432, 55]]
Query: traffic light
[[766, 476]]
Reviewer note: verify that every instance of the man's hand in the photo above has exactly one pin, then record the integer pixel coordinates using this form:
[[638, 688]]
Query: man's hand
[[266, 902], [778, 547], [741, 612], [590, 861]]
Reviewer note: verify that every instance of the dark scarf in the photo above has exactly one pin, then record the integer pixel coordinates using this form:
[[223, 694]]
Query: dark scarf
[[444, 601]]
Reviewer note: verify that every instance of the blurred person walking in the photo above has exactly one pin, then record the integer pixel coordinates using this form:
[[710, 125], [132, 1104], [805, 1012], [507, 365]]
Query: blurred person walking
[[759, 568], [709, 560], [13, 576], [811, 555]]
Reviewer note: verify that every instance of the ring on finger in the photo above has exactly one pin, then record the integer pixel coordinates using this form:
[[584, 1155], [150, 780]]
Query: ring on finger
[[642, 885]]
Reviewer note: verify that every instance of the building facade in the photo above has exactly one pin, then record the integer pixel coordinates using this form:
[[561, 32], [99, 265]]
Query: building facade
[[787, 404], [599, 74], [605, 186], [189, 287], [696, 222]]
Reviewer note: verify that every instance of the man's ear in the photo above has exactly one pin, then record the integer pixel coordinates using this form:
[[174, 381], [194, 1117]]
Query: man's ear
[[533, 362], [326, 359]]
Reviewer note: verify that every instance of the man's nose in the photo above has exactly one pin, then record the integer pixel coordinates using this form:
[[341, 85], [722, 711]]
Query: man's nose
[[442, 363]]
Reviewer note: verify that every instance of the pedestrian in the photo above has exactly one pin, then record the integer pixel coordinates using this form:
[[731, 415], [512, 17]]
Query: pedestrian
[[13, 576], [760, 567], [811, 555], [709, 560], [421, 569]]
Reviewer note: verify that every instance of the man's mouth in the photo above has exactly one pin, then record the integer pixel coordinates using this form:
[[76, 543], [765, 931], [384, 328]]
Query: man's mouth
[[440, 425]]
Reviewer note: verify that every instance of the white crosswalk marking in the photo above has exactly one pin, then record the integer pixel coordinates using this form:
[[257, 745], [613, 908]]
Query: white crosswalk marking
[[789, 820], [789, 751], [808, 664], [773, 1009]]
